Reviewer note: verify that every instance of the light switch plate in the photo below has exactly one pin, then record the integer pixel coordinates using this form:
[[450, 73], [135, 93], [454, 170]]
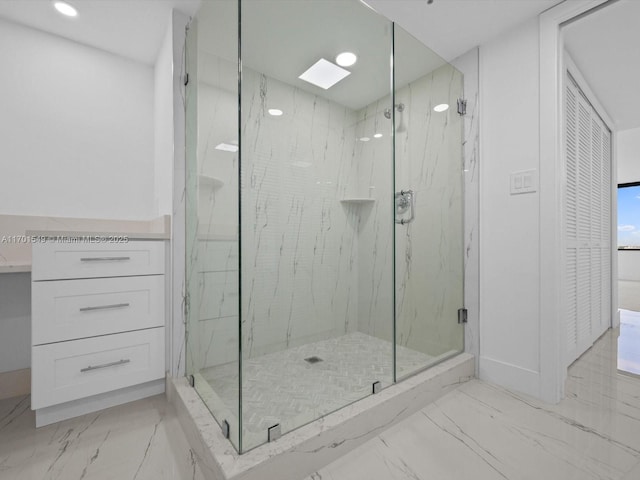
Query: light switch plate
[[525, 181]]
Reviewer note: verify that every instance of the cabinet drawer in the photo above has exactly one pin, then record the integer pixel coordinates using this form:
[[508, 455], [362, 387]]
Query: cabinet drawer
[[71, 309], [66, 371], [55, 260]]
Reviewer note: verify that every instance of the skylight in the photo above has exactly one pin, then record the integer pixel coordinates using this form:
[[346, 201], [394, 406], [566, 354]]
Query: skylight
[[324, 74]]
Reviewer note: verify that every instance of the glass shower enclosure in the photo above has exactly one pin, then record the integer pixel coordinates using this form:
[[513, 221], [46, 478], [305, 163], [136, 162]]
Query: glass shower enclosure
[[324, 210]]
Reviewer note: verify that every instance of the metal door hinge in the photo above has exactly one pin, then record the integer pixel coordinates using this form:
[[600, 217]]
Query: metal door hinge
[[274, 432], [462, 315], [462, 106], [226, 429]]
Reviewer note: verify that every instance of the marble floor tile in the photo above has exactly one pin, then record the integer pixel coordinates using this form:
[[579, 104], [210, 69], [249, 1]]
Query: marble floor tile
[[139, 440], [477, 432], [629, 342], [481, 431]]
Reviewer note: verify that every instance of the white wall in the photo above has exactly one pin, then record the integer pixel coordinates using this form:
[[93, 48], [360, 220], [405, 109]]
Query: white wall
[[509, 224], [163, 125], [15, 321], [76, 140], [76, 129], [629, 156]]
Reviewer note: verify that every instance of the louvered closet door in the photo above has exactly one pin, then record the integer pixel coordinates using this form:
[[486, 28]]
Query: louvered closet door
[[587, 278]]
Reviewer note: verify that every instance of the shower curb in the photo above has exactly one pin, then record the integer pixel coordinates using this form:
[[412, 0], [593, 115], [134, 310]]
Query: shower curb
[[305, 450]]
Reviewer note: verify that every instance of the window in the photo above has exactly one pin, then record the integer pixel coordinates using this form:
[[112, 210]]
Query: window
[[629, 216]]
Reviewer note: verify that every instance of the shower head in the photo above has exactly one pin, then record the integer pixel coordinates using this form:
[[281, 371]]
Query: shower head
[[399, 107]]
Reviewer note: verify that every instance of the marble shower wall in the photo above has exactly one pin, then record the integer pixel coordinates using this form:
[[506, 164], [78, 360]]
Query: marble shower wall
[[213, 280], [299, 242], [428, 251], [315, 267], [375, 233]]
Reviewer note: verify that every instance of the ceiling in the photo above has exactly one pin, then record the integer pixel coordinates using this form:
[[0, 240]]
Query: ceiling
[[284, 38], [453, 27], [134, 28], [606, 48], [130, 28], [604, 45]]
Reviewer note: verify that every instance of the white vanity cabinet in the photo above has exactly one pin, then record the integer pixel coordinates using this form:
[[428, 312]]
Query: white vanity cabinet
[[97, 325]]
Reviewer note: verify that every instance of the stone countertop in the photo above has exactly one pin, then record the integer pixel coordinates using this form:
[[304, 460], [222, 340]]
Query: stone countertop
[[118, 237]]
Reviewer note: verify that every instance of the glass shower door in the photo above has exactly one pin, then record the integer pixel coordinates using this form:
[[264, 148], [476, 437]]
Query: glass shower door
[[324, 214], [317, 223], [428, 206], [212, 248]]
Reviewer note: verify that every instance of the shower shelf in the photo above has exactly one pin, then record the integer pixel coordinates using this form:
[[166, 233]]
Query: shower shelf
[[207, 181], [357, 201]]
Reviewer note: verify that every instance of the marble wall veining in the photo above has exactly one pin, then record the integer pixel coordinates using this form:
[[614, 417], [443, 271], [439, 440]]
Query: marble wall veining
[[429, 270], [299, 245], [375, 235], [315, 267], [428, 251], [214, 264]]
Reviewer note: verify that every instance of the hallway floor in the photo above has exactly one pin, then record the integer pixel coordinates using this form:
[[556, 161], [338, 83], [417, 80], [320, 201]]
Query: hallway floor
[[629, 342], [141, 440], [477, 432]]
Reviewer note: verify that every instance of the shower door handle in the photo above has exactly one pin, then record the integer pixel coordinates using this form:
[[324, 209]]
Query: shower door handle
[[404, 202]]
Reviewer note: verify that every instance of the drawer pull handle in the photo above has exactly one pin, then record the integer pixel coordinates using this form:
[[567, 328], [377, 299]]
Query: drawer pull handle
[[104, 307], [105, 365], [104, 259]]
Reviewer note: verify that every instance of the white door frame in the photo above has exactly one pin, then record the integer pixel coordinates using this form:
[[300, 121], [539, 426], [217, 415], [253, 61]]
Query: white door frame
[[553, 335]]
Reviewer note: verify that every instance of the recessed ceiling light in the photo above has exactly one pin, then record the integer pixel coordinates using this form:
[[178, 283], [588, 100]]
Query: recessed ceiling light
[[275, 112], [377, 135], [441, 108], [324, 74], [364, 139], [346, 59], [65, 9], [227, 147]]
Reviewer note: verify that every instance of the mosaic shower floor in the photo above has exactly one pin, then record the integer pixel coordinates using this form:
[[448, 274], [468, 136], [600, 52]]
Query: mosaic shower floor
[[284, 388]]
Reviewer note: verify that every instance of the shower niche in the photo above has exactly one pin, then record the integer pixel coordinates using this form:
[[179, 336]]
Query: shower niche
[[308, 289]]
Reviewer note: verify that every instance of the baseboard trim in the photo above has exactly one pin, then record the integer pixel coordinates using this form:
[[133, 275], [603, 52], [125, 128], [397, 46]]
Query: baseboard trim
[[510, 376], [75, 408], [15, 383]]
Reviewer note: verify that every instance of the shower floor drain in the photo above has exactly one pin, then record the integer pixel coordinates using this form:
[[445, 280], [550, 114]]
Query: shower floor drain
[[313, 359]]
